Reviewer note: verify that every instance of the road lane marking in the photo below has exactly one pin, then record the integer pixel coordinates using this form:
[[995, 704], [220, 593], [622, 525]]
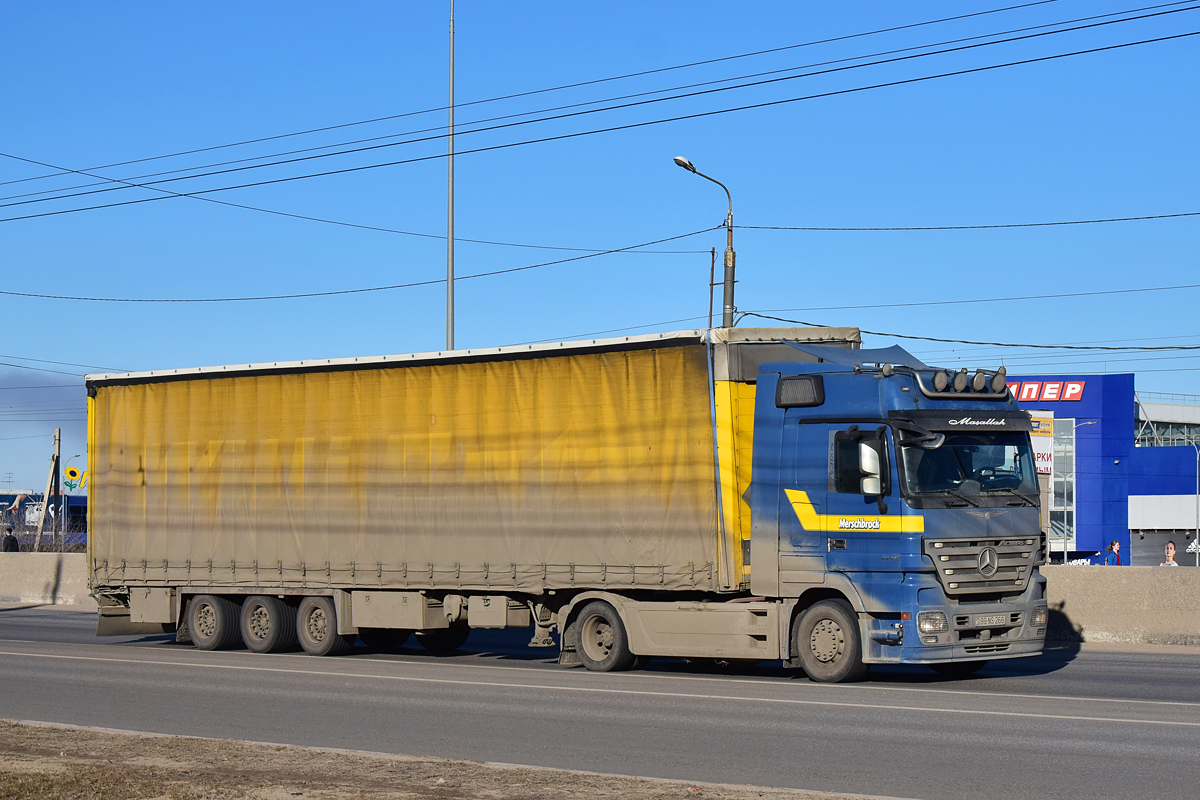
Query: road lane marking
[[604, 690]]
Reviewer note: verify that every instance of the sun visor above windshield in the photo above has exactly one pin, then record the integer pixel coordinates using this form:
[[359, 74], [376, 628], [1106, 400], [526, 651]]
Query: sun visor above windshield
[[894, 355], [964, 420]]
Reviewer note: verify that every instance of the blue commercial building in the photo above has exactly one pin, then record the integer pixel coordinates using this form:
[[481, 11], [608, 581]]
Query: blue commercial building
[[1119, 466]]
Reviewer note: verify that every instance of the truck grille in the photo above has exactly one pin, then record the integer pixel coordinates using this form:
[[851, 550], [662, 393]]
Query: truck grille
[[975, 649], [993, 564]]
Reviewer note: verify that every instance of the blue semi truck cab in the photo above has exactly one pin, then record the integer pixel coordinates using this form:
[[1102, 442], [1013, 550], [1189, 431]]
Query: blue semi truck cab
[[900, 503]]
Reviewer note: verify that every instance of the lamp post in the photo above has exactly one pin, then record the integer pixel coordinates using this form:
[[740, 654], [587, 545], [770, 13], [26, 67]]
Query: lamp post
[[1196, 541], [728, 307]]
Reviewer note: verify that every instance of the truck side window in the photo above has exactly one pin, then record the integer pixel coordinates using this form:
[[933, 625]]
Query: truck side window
[[848, 470]]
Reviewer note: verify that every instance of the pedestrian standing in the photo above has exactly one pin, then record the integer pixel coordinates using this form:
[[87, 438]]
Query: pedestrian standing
[[10, 543]]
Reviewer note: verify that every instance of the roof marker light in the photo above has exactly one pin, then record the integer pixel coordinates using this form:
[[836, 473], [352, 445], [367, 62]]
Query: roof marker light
[[979, 382], [961, 380], [940, 381]]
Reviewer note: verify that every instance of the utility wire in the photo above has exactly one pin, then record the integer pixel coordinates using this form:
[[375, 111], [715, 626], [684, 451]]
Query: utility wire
[[561, 87], [328, 221], [991, 299], [630, 126], [44, 386], [557, 117], [41, 369], [1160, 348], [331, 293], [974, 227], [60, 363], [104, 180]]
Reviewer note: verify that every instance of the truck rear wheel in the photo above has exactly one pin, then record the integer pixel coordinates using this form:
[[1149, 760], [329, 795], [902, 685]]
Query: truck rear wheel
[[444, 640], [825, 638], [957, 669], [213, 622], [383, 640], [268, 625], [601, 641], [316, 628]]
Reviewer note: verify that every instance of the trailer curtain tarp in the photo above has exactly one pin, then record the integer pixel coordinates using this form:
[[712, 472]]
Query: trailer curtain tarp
[[588, 469]]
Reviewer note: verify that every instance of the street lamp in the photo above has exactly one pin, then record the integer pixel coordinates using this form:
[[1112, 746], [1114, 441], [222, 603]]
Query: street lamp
[[728, 309]]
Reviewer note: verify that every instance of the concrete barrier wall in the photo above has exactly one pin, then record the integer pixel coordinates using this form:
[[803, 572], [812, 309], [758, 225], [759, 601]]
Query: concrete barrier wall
[[1144, 605], [1147, 605], [44, 578]]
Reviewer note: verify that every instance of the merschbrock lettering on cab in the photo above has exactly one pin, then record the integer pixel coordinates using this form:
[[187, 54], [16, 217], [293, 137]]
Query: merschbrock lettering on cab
[[858, 524]]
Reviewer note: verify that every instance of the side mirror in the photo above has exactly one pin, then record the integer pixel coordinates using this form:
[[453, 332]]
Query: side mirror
[[868, 465]]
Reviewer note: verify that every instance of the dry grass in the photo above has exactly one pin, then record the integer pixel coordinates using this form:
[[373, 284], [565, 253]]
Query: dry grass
[[39, 761]]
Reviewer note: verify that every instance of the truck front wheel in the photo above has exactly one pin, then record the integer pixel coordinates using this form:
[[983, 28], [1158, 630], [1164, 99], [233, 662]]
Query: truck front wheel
[[213, 622], [316, 628], [602, 643], [825, 638], [268, 625]]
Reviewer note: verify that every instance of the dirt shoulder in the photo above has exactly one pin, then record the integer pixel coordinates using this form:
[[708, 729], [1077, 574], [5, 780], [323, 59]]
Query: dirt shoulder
[[49, 761]]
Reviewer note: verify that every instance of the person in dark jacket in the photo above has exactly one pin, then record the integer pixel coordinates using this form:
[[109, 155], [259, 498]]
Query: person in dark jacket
[[10, 543]]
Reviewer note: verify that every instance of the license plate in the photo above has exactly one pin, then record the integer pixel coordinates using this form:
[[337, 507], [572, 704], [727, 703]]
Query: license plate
[[988, 620]]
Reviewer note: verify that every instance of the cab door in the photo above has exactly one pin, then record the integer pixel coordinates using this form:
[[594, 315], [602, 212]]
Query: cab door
[[802, 504]]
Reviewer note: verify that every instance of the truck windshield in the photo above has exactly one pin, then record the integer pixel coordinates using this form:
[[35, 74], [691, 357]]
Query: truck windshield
[[970, 463]]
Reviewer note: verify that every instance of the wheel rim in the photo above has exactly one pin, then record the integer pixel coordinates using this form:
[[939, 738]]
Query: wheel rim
[[827, 642], [206, 621], [260, 623], [596, 637], [317, 625]]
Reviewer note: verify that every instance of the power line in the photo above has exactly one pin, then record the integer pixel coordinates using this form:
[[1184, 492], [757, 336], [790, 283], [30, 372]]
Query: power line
[[974, 227], [61, 363], [991, 299], [40, 369], [16, 438], [325, 220], [630, 126], [45, 386], [557, 117], [561, 87], [969, 341], [331, 293], [105, 180]]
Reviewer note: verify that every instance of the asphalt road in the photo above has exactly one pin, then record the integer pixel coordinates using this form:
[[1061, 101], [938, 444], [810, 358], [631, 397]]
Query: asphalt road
[[1096, 722]]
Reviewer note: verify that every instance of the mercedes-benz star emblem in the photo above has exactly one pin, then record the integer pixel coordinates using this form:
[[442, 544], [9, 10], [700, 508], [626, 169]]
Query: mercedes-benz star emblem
[[989, 562]]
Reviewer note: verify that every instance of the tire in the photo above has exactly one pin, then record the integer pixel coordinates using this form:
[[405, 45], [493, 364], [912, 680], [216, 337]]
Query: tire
[[268, 625], [444, 640], [957, 669], [383, 640], [825, 637], [316, 628], [601, 640], [213, 622]]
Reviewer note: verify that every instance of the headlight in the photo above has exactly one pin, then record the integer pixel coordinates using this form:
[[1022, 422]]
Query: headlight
[[1039, 617], [932, 622]]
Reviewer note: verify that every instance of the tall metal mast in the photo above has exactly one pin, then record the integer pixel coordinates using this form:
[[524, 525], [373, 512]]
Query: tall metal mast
[[450, 201]]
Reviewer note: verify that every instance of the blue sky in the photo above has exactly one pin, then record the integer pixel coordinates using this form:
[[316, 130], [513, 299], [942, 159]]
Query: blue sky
[[1108, 134]]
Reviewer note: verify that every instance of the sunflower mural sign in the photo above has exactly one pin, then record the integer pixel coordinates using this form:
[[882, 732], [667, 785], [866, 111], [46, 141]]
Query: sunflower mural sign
[[74, 478]]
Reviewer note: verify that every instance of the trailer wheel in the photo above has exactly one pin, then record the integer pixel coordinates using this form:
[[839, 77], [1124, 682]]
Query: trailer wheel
[[826, 640], [316, 628], [383, 640], [444, 640], [213, 622], [601, 641], [268, 625], [957, 669]]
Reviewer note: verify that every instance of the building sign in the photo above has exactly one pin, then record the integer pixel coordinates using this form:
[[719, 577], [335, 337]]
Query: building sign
[[1047, 391], [1042, 438]]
